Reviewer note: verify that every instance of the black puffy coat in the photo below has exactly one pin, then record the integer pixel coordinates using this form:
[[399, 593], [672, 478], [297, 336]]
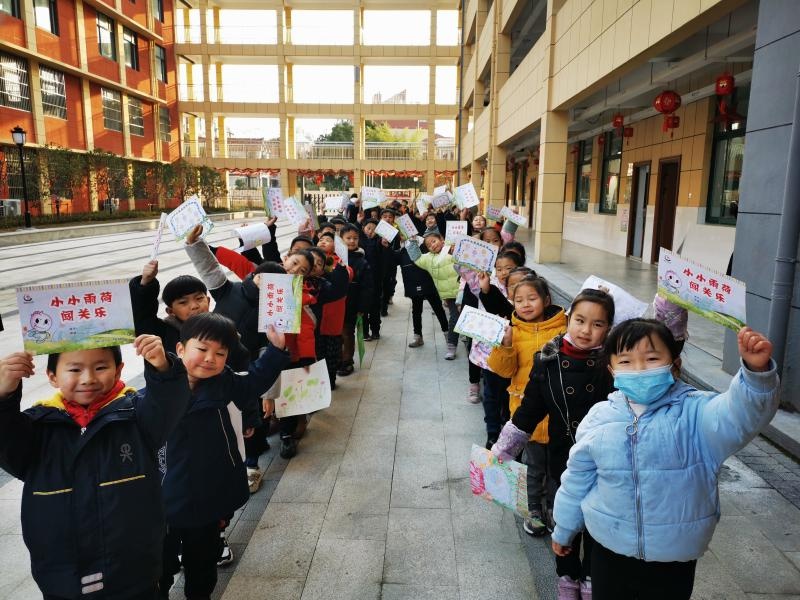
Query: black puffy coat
[[417, 282]]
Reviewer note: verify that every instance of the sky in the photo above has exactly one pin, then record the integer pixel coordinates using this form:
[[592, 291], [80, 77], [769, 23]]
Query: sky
[[331, 84]]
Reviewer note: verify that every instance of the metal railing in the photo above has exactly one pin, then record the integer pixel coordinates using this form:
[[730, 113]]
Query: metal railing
[[324, 150], [219, 93], [396, 150], [271, 149], [194, 149], [266, 150], [242, 34], [321, 36], [445, 151]]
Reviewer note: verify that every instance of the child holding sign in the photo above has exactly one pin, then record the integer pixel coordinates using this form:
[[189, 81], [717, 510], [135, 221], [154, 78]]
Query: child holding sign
[[94, 444], [359, 296]]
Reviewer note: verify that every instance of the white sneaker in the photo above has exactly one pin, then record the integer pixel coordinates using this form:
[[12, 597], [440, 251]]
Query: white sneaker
[[473, 395], [254, 477], [451, 352]]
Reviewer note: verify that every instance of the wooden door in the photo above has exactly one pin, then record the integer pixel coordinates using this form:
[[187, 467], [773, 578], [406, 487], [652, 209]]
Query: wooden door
[[669, 174]]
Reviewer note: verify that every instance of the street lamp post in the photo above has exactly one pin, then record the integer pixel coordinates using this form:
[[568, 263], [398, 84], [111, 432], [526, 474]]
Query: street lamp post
[[18, 135], [415, 186]]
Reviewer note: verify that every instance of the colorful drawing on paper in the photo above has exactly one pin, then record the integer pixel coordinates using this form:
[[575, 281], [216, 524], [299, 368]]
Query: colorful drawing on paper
[[312, 214], [280, 302], [502, 483], [454, 231], [157, 236], [406, 226], [475, 254], [371, 197], [252, 236], [184, 218], [466, 196], [494, 213], [717, 297], [625, 305], [481, 325], [515, 218], [333, 204], [294, 212], [64, 317], [442, 200], [345, 201], [274, 202], [386, 231], [303, 392], [340, 248], [439, 190]]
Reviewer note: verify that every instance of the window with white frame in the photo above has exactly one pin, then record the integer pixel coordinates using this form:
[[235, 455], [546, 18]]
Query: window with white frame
[[161, 63], [10, 7], [106, 41], [135, 116], [45, 14], [164, 125], [54, 92], [130, 45], [112, 109], [14, 83]]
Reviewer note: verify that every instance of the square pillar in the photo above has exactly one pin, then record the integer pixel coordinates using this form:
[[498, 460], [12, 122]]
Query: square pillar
[[550, 184]]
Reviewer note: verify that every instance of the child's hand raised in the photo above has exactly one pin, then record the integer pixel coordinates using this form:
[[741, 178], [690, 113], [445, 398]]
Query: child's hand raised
[[276, 338], [149, 271], [271, 221], [508, 337], [484, 281], [12, 369], [194, 234], [151, 349], [755, 349]]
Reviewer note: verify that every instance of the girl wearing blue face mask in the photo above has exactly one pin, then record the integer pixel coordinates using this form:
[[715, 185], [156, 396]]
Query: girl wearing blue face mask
[[642, 476]]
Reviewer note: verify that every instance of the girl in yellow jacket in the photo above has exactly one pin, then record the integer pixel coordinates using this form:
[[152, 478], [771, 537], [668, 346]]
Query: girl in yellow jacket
[[535, 321]]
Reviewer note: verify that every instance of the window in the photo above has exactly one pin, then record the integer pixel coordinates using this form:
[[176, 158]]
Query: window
[[583, 176], [106, 37], [11, 7], [135, 117], [130, 45], [164, 126], [54, 95], [158, 10], [161, 64], [612, 161], [14, 88], [112, 109], [46, 15], [726, 163]]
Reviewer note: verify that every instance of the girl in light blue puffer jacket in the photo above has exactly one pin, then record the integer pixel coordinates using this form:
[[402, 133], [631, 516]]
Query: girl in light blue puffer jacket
[[642, 477]]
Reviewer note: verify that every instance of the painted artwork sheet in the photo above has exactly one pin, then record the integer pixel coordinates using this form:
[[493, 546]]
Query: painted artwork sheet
[[340, 248], [274, 203], [422, 206], [442, 200], [157, 236], [294, 212], [406, 226], [454, 231], [717, 297], [386, 231], [312, 214], [466, 196], [502, 483], [184, 218], [371, 197], [494, 213], [475, 254], [280, 302], [333, 204], [509, 214], [481, 325], [64, 317], [625, 305], [302, 392], [439, 190], [252, 235], [344, 202]]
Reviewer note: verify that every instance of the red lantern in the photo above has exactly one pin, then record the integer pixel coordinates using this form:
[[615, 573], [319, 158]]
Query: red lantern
[[628, 133], [601, 140], [618, 121], [667, 102], [576, 148], [724, 85], [318, 178]]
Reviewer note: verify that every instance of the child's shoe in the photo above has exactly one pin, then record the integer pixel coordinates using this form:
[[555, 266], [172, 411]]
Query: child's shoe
[[288, 447], [226, 555], [451, 352], [254, 477], [473, 395], [568, 588], [417, 342], [586, 590], [535, 525], [345, 370]]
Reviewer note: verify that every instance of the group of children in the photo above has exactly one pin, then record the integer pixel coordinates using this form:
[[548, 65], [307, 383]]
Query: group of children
[[125, 487]]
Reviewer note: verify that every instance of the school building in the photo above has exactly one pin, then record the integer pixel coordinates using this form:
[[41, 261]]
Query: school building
[[630, 125], [286, 67], [86, 75]]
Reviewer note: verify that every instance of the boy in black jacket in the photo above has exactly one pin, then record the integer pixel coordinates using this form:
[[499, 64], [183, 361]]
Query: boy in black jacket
[[359, 296], [374, 252], [205, 478], [92, 515]]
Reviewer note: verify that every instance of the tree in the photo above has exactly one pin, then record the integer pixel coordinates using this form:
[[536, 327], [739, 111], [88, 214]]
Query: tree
[[111, 179], [185, 179], [342, 131], [65, 171], [211, 185]]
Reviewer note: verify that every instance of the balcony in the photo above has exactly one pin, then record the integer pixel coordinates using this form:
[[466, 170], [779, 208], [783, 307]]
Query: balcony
[[323, 150], [242, 34], [234, 148], [396, 150], [446, 151]]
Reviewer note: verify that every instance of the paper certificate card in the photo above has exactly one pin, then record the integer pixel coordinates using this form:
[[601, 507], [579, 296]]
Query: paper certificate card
[[344, 202], [509, 214], [475, 254], [494, 213], [386, 231], [442, 200], [371, 197], [252, 236], [481, 325], [183, 219], [274, 203], [304, 393], [466, 196], [422, 206], [716, 297], [280, 302], [333, 204], [340, 248], [157, 236], [454, 231], [293, 211], [312, 214], [63, 317], [502, 483], [406, 225], [625, 305], [439, 190]]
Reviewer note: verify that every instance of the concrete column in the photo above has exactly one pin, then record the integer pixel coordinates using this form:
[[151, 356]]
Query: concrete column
[[35, 89], [218, 91], [208, 122], [434, 40], [358, 138], [475, 177], [28, 16], [289, 137], [83, 62], [86, 105], [126, 130], [550, 187], [216, 25], [223, 137]]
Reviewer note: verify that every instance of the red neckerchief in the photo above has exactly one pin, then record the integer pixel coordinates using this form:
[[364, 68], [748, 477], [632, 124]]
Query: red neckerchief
[[83, 415], [573, 351]]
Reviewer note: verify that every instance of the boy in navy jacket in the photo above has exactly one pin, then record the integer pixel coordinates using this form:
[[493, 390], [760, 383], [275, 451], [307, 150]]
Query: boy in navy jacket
[[92, 515]]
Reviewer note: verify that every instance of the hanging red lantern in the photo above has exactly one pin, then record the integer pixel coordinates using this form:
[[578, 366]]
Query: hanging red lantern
[[667, 102], [618, 121], [724, 84], [576, 148], [601, 139], [628, 134], [318, 178]]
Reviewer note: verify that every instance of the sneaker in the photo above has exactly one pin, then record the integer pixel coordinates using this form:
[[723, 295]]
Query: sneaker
[[385, 312], [288, 447], [568, 588], [535, 525], [451, 352], [390, 301], [473, 395], [345, 370], [373, 337], [254, 477], [586, 590], [417, 342], [226, 555]]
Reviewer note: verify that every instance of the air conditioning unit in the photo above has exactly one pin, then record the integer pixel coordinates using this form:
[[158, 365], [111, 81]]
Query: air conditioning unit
[[11, 207]]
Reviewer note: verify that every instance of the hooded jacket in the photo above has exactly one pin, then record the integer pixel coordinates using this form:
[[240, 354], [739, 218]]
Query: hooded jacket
[[417, 283], [441, 268], [359, 294], [331, 320], [646, 486], [91, 503], [515, 362]]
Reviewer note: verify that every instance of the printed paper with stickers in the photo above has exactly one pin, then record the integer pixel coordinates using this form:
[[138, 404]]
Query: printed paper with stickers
[[466, 196], [184, 218], [475, 254], [481, 325]]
